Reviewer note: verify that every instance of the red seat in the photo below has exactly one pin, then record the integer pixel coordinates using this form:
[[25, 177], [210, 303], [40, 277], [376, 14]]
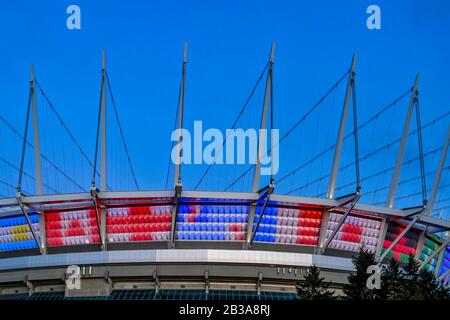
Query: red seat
[[74, 223], [145, 210], [147, 236]]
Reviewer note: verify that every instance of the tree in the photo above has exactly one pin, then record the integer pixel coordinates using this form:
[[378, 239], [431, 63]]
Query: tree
[[420, 284], [409, 286], [357, 289], [431, 288], [314, 287], [391, 279], [398, 282]]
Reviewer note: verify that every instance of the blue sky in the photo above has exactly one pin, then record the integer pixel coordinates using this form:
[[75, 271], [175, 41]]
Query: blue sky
[[229, 43]]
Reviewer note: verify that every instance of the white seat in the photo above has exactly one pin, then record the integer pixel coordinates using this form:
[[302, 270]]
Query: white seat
[[289, 230]]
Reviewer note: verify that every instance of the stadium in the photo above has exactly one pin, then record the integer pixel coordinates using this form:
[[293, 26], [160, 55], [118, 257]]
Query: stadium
[[188, 242]]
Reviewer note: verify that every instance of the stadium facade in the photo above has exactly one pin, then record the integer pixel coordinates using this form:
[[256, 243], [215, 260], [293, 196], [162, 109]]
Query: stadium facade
[[188, 244]]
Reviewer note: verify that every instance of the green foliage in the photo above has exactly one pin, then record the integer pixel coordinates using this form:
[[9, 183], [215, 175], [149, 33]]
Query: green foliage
[[356, 289], [407, 282], [391, 280], [409, 285], [314, 287]]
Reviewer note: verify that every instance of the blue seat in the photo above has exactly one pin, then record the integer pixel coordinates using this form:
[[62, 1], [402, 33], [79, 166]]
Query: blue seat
[[271, 238], [227, 219], [233, 219], [198, 226], [221, 209], [221, 218], [203, 236], [215, 227], [180, 218], [227, 209], [209, 236], [265, 238], [215, 218], [203, 226], [258, 237], [203, 218], [273, 220], [233, 209], [215, 209], [221, 236], [198, 218], [215, 236], [273, 229], [209, 227], [203, 209], [209, 218], [209, 209], [197, 236]]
